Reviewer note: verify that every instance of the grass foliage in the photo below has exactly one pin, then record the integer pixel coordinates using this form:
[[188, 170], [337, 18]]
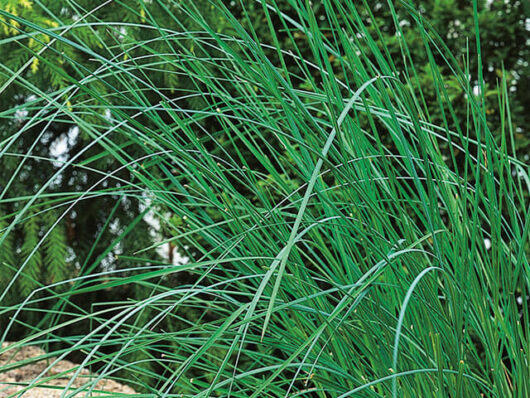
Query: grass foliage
[[344, 240]]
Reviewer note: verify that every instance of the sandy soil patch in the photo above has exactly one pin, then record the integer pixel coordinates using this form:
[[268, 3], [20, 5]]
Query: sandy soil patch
[[14, 380]]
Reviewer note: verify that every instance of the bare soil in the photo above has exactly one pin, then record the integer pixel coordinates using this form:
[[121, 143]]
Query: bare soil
[[16, 379]]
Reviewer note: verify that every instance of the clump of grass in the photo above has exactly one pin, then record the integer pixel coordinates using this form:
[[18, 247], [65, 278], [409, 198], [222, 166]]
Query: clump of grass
[[336, 229]]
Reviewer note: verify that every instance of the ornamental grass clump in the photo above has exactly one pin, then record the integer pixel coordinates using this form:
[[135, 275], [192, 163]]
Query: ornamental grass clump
[[354, 221]]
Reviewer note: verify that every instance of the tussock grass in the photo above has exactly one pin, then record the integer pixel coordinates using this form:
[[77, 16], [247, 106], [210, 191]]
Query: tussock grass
[[335, 224]]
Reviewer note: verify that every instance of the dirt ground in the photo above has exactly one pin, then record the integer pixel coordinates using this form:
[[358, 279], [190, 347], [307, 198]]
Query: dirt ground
[[14, 380]]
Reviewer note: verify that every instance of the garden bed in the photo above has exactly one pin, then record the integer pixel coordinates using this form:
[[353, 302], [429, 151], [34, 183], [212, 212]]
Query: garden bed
[[16, 379]]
